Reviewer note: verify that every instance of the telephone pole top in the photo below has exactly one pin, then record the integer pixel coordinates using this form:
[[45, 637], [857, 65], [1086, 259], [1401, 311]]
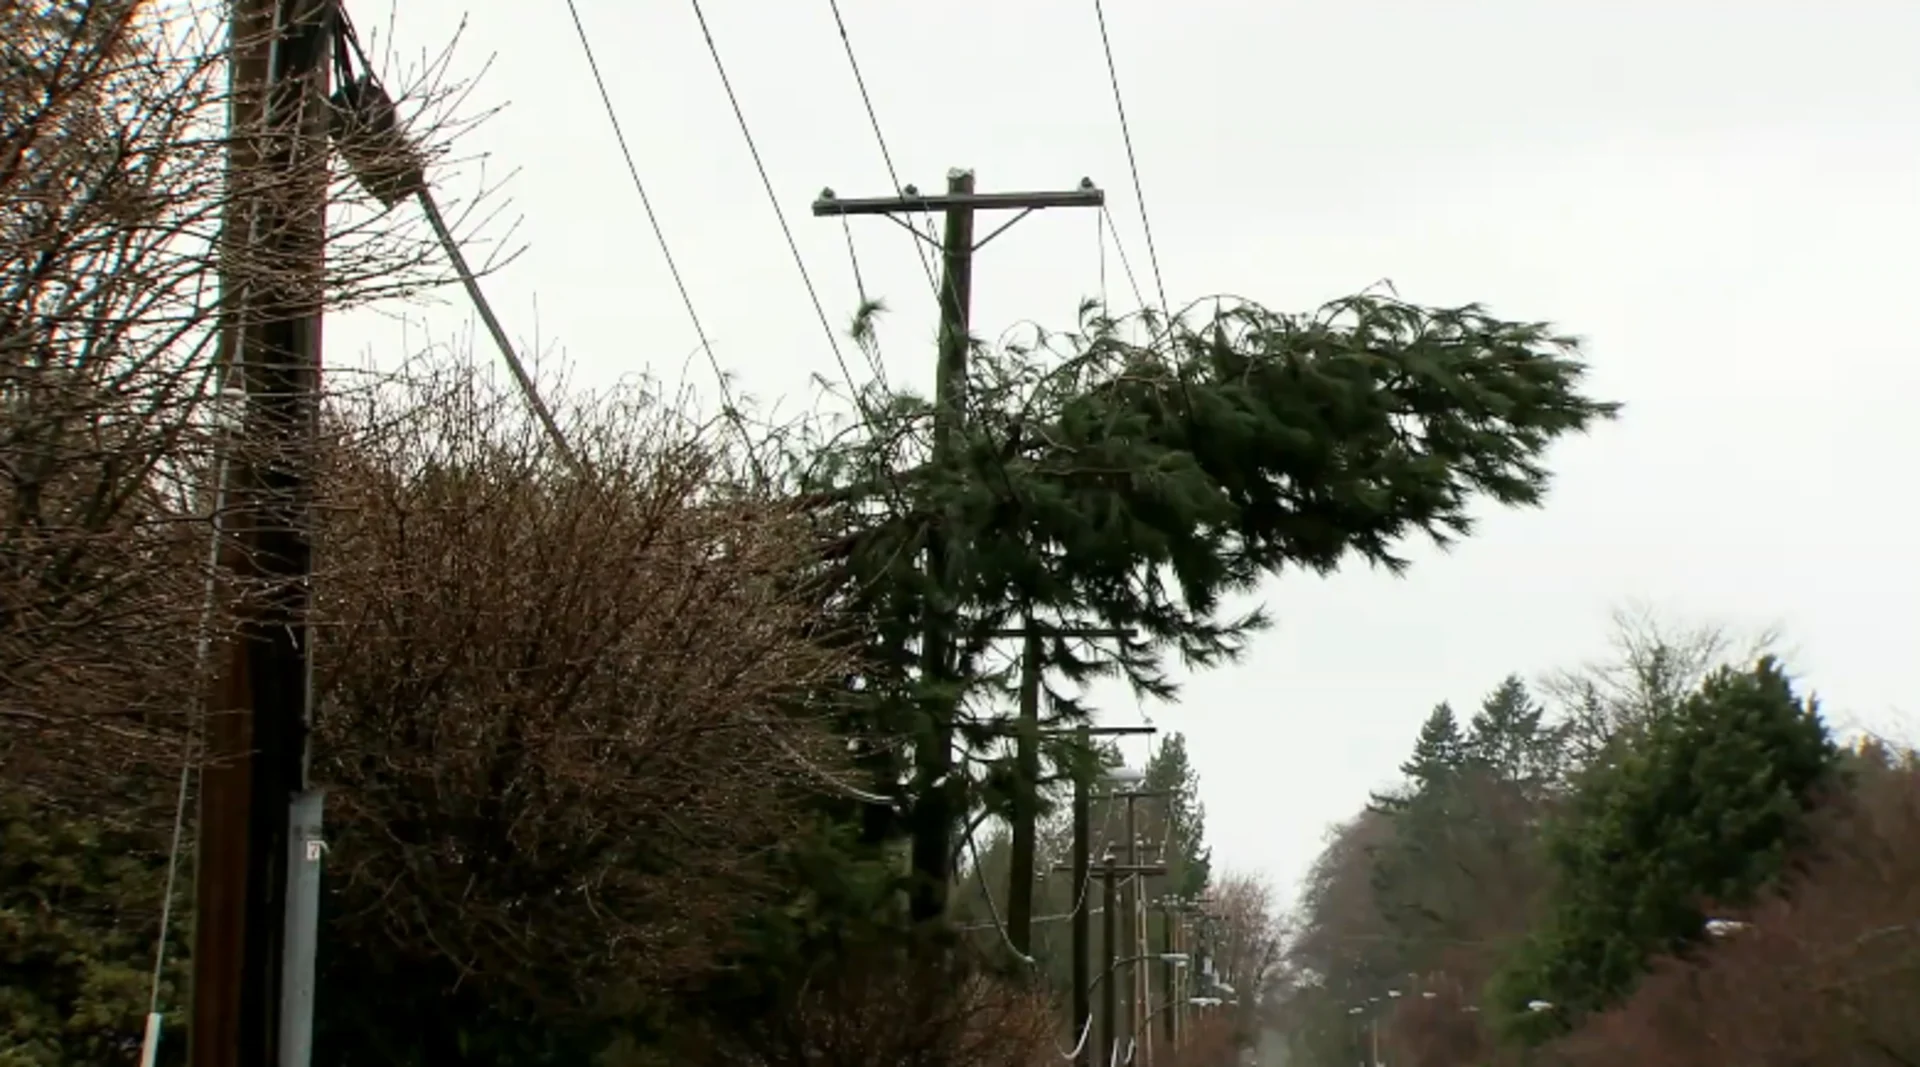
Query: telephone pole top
[[936, 806]]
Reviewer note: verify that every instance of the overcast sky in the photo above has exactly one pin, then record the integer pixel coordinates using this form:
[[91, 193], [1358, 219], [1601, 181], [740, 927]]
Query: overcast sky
[[1720, 197]]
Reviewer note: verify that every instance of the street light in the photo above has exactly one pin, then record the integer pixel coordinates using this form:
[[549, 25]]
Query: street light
[[1539, 1006]]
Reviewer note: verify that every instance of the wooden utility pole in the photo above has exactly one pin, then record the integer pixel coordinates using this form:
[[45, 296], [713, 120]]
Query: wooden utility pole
[[258, 851], [936, 808], [1026, 799], [1132, 927], [1131, 891], [1026, 802], [1082, 869], [1109, 959], [1082, 845], [1170, 998]]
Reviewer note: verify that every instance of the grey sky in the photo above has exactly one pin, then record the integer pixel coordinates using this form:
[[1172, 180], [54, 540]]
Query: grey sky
[[1719, 196]]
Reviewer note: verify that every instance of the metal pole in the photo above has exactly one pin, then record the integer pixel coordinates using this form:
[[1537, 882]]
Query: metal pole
[[305, 849]]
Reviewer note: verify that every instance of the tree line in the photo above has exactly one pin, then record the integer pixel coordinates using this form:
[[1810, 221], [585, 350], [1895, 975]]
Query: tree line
[[654, 756], [1664, 858]]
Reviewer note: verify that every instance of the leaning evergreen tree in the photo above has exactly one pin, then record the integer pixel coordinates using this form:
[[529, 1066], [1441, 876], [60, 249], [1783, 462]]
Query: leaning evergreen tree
[[1135, 474], [1705, 809]]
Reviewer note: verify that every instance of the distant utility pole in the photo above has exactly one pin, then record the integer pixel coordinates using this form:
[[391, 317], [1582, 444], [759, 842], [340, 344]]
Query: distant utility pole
[[1170, 996], [936, 809], [1132, 928], [1082, 871], [1026, 800], [1109, 959], [258, 856]]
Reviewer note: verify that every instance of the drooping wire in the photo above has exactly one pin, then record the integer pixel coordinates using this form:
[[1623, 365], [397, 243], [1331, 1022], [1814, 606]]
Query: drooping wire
[[853, 257], [1100, 243], [806, 277], [660, 236], [1167, 325], [993, 909], [1126, 264], [886, 154], [1133, 162]]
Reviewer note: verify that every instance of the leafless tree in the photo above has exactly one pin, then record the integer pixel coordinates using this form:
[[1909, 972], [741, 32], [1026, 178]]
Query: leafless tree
[[889, 1008], [116, 285], [1654, 664]]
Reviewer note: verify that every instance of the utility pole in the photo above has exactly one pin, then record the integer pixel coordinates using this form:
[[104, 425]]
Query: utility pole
[[1082, 832], [1026, 805], [256, 880], [1111, 960], [1081, 868], [1110, 900], [1136, 873], [935, 810], [1132, 891], [1169, 978]]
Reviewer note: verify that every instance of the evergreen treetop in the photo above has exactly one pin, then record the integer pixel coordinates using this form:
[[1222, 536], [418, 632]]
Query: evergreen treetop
[[1704, 809]]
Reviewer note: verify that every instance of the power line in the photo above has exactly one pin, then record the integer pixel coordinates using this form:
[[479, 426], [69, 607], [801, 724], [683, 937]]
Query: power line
[[1126, 264], [659, 233], [873, 119], [1133, 163], [833, 338]]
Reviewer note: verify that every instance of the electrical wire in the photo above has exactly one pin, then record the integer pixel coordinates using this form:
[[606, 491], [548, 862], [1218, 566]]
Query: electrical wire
[[1120, 248], [813, 294], [1086, 1031], [1133, 163], [886, 154], [660, 235], [993, 909]]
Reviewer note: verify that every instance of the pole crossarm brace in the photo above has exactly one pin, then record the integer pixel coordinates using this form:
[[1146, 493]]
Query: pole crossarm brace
[[1122, 868]]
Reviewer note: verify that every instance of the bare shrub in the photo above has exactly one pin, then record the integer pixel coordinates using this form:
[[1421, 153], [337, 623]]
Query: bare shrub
[[893, 1008], [555, 715], [1440, 1027], [1825, 972], [1209, 1041]]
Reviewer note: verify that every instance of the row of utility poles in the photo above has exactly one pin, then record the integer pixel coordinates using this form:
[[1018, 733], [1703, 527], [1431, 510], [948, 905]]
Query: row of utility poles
[[935, 815], [259, 851]]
